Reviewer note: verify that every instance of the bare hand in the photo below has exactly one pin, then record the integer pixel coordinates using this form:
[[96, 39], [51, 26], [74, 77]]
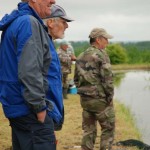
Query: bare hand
[[73, 57], [41, 116]]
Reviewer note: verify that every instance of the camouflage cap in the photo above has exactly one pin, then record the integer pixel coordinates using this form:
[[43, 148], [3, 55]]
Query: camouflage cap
[[96, 32], [64, 43]]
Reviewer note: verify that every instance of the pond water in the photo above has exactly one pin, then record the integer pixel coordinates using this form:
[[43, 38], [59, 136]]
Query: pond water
[[133, 89]]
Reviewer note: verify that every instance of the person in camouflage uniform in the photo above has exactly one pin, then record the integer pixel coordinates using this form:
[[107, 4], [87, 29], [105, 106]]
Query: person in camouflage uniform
[[93, 78], [70, 49], [66, 62]]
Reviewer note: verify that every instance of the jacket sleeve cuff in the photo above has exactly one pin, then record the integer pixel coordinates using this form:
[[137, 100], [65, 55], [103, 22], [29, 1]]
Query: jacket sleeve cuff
[[38, 108]]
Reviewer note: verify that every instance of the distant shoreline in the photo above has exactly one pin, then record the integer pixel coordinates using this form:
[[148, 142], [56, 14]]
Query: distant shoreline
[[131, 67]]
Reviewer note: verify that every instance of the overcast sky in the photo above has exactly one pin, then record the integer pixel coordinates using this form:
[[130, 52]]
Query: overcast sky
[[126, 20]]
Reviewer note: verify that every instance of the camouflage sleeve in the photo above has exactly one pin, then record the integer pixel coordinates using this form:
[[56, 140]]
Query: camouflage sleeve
[[107, 79], [64, 58], [76, 78]]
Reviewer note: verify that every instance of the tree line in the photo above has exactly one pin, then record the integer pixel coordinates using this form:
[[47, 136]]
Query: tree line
[[120, 52]]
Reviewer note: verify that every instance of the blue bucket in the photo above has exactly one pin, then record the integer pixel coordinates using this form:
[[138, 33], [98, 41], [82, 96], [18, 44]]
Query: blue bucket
[[73, 90]]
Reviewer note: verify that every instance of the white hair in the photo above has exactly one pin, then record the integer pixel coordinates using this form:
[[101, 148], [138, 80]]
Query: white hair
[[45, 20]]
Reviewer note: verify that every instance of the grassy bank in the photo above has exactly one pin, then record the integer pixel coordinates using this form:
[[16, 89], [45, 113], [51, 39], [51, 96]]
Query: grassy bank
[[71, 134], [131, 67]]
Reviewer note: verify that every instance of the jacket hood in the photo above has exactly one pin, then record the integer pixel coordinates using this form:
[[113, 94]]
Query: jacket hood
[[23, 9]]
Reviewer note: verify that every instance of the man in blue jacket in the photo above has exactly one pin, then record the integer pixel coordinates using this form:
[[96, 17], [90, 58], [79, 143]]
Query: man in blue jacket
[[31, 100]]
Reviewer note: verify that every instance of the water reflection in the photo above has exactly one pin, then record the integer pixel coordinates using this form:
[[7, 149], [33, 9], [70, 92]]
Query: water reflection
[[118, 76], [133, 89]]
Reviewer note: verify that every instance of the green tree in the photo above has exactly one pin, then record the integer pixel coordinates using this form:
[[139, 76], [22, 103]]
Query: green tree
[[117, 54], [80, 46], [145, 54], [134, 55]]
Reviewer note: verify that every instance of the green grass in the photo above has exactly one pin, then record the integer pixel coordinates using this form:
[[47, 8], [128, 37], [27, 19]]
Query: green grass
[[71, 134]]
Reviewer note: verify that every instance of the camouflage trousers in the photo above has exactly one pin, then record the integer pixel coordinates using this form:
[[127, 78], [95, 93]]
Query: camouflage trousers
[[65, 81], [106, 120]]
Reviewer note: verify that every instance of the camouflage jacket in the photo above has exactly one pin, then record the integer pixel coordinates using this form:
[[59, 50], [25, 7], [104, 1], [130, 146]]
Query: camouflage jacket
[[93, 75], [65, 60]]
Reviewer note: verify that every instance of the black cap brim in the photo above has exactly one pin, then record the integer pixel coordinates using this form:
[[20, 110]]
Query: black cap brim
[[66, 18]]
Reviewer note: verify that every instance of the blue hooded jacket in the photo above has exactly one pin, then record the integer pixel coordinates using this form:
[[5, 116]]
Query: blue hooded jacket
[[30, 72]]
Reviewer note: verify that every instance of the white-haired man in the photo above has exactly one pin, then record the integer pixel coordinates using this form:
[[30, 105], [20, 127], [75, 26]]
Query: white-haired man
[[57, 23]]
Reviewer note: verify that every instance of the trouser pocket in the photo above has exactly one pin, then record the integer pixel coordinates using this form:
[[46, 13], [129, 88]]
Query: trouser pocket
[[43, 137]]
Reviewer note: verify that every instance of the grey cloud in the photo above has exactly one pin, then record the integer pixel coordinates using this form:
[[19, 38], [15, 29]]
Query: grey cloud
[[127, 20]]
